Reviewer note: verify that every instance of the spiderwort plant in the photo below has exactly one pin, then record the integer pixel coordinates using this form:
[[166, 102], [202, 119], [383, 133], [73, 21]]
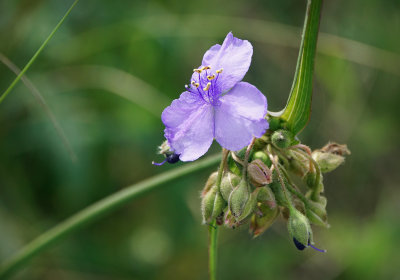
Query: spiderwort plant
[[255, 183]]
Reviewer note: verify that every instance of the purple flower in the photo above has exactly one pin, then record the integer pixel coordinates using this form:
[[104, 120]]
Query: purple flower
[[217, 104]]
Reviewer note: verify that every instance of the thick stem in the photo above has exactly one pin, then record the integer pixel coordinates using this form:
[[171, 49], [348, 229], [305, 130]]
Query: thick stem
[[94, 212]]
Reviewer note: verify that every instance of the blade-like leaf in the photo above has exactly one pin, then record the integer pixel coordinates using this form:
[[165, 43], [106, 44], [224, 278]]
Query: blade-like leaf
[[297, 112]]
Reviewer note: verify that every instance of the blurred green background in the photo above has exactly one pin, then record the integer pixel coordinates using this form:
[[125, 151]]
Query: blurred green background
[[106, 77]]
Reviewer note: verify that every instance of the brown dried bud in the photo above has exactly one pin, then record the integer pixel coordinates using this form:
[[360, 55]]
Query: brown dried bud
[[259, 173], [262, 219]]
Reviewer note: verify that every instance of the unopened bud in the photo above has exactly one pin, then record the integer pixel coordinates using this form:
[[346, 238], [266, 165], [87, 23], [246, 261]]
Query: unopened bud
[[259, 174], [263, 157], [317, 219], [241, 201], [228, 183], [299, 229], [238, 198], [266, 196], [212, 205], [278, 191], [282, 138], [298, 164], [210, 182], [327, 161]]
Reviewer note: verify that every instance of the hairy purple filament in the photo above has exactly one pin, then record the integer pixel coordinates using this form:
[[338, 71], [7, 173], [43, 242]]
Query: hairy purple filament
[[206, 86]]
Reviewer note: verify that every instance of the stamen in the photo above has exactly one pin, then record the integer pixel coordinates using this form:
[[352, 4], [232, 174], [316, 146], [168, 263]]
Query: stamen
[[315, 248], [220, 70], [159, 164], [211, 77], [198, 70], [195, 84], [206, 67], [207, 87]]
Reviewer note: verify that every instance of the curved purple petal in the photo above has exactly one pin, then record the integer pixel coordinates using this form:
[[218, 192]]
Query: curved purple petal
[[189, 126], [234, 57], [240, 116]]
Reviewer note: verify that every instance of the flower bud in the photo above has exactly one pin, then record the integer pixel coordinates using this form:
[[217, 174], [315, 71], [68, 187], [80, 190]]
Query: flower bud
[[263, 157], [241, 201], [299, 229], [278, 191], [327, 161], [282, 138], [210, 182], [263, 218], [238, 198], [266, 196], [298, 164], [212, 205], [259, 174], [318, 220], [228, 183]]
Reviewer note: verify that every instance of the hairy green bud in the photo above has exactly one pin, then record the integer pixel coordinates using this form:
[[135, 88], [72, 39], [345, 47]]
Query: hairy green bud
[[212, 205], [299, 229], [210, 183], [282, 139], [327, 161], [263, 157], [238, 198], [330, 156], [241, 201], [228, 183]]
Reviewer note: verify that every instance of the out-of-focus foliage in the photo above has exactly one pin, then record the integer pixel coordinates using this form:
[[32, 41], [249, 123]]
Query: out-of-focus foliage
[[108, 73]]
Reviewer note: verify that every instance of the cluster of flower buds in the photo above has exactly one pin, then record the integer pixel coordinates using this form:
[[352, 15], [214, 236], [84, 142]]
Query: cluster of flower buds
[[274, 176]]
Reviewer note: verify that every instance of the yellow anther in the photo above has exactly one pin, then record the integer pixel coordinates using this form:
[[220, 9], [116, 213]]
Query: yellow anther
[[220, 70], [197, 70], [195, 84], [211, 77], [206, 67], [207, 87]]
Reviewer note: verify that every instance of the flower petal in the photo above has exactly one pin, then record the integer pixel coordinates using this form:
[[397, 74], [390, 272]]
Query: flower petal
[[240, 116], [189, 126], [234, 56]]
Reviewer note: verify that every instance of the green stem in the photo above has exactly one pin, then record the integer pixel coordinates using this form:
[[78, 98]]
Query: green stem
[[213, 229], [94, 212], [212, 250], [8, 90]]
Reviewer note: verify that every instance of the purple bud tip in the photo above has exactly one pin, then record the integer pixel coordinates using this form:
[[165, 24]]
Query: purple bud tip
[[172, 158], [315, 248], [298, 244], [159, 164]]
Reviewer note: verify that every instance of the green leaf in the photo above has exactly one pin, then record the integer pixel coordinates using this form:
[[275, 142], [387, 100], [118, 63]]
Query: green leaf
[[296, 114]]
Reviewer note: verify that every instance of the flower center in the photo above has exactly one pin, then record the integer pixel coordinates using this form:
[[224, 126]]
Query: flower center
[[205, 84]]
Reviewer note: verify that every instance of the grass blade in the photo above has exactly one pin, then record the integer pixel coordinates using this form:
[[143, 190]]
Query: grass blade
[[30, 62]]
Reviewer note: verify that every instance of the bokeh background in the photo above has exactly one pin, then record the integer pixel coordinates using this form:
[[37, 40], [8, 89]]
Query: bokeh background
[[106, 77]]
